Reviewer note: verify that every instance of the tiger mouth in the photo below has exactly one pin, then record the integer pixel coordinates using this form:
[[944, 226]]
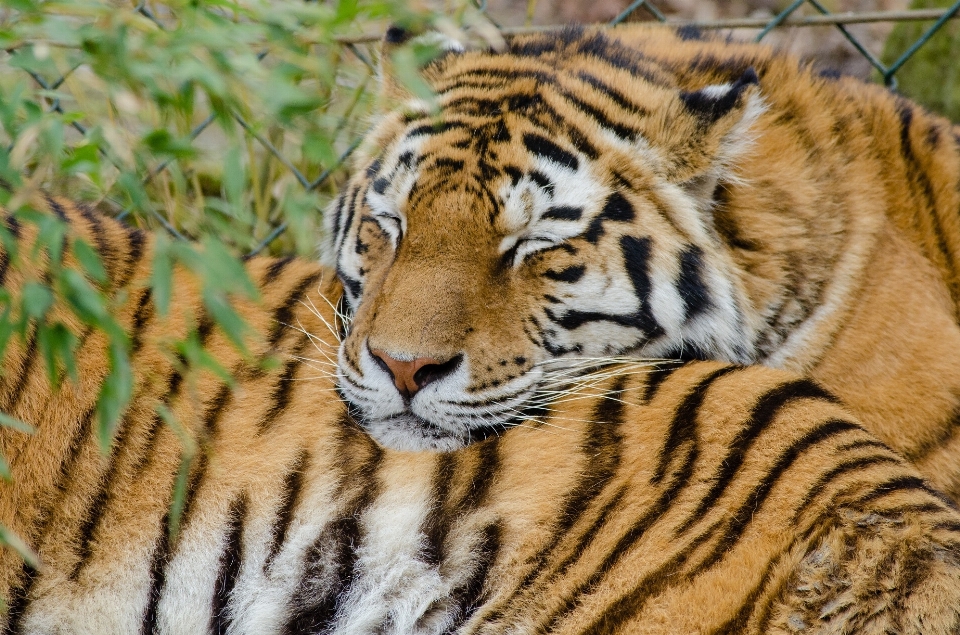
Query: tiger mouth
[[411, 432]]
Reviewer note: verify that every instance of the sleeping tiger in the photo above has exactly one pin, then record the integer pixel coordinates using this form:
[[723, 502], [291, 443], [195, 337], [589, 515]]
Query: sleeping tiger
[[697, 498], [590, 194]]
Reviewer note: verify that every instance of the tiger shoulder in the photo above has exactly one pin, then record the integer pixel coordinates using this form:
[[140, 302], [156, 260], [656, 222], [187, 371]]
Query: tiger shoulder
[[660, 498]]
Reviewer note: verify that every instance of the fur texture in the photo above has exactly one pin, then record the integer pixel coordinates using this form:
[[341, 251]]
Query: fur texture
[[588, 194], [698, 498]]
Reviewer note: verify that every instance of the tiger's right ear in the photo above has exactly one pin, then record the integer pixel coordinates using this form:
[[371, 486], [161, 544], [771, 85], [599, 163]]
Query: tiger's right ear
[[406, 57]]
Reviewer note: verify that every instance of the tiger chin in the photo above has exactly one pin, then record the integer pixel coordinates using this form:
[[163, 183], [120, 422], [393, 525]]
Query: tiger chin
[[589, 195]]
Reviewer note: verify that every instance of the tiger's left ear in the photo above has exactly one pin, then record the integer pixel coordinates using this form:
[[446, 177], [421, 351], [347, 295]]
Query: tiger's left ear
[[709, 130]]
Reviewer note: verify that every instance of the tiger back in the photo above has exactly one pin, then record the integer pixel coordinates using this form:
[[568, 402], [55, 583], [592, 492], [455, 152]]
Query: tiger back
[[588, 194], [698, 498]]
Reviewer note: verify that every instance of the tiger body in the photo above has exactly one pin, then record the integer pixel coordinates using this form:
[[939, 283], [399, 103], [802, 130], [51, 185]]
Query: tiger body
[[635, 192], [698, 498]]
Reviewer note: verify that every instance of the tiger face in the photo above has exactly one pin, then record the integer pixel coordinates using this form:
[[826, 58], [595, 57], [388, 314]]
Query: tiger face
[[550, 215]]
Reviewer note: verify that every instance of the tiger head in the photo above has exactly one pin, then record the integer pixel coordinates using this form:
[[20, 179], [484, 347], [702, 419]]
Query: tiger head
[[548, 212]]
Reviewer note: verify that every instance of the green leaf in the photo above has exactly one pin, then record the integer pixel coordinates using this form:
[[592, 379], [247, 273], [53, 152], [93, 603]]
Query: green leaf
[[14, 541], [5, 472], [90, 260], [225, 272], [114, 394], [161, 274], [226, 318], [57, 344], [162, 143], [82, 159], [85, 301], [16, 424], [179, 499], [36, 300], [52, 232]]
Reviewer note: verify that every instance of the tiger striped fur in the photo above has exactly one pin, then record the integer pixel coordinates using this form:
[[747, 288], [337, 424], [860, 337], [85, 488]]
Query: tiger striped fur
[[702, 498], [637, 192]]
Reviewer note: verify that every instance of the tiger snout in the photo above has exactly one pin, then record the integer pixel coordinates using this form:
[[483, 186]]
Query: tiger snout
[[410, 373]]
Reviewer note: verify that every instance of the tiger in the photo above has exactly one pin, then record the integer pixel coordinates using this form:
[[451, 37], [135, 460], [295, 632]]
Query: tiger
[[703, 497], [587, 194]]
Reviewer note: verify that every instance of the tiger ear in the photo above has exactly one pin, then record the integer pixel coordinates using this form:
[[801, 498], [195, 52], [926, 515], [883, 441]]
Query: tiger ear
[[403, 56], [711, 129], [407, 55]]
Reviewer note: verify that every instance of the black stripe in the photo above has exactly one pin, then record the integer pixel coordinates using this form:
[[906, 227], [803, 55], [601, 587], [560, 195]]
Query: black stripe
[[197, 475], [174, 382], [679, 479], [14, 228], [624, 607], [292, 486], [280, 396], [546, 148], [614, 95], [140, 319], [636, 257], [211, 417], [328, 570], [616, 208], [536, 176], [739, 519], [855, 466], [563, 212], [436, 526], [446, 164], [915, 169], [30, 357], [104, 248], [94, 511], [690, 285], [436, 128], [573, 319], [85, 430], [135, 239], [683, 426], [655, 378], [354, 287], [350, 209], [621, 130], [20, 599], [601, 446], [900, 484], [472, 593], [813, 535], [283, 314], [764, 410], [709, 106], [158, 577], [330, 562], [231, 559], [276, 268], [569, 275]]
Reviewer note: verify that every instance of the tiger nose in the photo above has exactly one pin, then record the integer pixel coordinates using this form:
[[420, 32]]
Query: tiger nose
[[411, 376]]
